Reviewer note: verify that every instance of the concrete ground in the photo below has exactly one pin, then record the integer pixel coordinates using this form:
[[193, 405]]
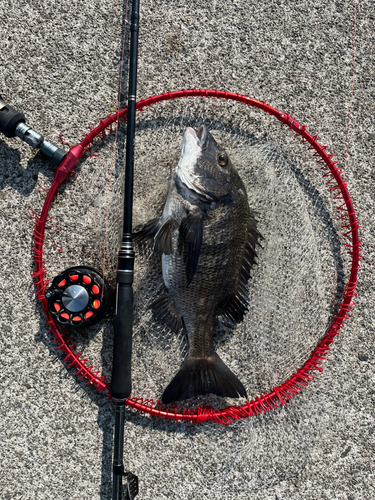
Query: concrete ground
[[59, 65]]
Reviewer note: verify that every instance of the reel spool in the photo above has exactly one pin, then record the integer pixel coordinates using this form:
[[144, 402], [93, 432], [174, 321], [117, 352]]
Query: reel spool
[[79, 297]]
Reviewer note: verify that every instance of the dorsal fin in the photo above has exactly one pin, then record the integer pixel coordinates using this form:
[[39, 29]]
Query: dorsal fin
[[237, 305]]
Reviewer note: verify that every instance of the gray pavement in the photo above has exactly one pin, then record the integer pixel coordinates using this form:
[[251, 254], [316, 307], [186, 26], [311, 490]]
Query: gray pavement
[[59, 65]]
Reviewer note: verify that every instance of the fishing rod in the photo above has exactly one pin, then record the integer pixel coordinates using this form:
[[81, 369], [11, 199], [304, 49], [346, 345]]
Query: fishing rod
[[123, 323], [70, 303]]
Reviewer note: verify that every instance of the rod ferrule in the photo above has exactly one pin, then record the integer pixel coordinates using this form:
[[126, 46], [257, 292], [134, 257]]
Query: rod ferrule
[[36, 141], [28, 135]]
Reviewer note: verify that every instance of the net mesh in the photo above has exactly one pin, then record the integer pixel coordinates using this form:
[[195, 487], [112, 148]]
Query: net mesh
[[294, 287]]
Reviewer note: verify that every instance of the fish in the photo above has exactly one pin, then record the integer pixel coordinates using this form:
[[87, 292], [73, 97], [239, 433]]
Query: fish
[[207, 238]]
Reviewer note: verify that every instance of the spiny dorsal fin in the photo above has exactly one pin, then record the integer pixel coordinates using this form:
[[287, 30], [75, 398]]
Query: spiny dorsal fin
[[164, 310], [237, 305], [190, 240], [155, 233]]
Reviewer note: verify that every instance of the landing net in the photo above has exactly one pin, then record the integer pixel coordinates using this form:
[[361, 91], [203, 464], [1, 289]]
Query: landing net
[[301, 291]]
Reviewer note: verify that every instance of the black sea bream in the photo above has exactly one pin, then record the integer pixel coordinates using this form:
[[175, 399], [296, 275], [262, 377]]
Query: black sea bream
[[207, 237]]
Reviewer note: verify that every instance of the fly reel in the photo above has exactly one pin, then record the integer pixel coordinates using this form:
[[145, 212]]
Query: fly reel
[[79, 297]]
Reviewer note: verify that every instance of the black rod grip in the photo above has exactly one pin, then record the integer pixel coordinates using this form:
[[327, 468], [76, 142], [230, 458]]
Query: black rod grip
[[9, 119], [122, 347]]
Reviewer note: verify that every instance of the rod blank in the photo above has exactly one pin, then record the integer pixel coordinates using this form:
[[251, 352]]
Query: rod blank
[[123, 323]]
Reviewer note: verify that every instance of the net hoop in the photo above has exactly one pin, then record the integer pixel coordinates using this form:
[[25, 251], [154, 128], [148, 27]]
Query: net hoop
[[281, 394]]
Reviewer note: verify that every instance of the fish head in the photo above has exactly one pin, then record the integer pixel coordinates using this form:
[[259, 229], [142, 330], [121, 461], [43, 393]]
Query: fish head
[[204, 170]]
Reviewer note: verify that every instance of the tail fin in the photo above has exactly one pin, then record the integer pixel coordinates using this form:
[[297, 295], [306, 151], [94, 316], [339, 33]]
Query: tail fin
[[199, 376]]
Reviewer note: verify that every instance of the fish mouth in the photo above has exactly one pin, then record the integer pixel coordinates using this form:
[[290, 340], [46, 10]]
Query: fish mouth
[[200, 136], [192, 146]]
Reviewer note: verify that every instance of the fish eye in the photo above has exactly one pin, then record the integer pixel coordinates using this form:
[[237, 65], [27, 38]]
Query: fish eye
[[222, 159]]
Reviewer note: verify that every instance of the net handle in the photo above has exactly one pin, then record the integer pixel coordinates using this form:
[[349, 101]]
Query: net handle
[[300, 379]]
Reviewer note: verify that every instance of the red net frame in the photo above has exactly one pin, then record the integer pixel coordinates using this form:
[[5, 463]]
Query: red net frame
[[300, 379]]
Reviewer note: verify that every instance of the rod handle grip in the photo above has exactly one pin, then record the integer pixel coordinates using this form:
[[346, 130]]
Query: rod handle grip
[[122, 347], [9, 119]]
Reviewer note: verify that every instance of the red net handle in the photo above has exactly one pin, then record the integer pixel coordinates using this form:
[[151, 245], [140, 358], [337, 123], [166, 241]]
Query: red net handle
[[279, 395]]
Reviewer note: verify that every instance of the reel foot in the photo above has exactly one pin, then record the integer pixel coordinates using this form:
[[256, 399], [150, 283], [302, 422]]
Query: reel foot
[[131, 486]]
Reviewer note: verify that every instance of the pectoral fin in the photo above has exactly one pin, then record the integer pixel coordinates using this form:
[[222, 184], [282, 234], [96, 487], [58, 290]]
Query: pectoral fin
[[190, 241], [155, 233]]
